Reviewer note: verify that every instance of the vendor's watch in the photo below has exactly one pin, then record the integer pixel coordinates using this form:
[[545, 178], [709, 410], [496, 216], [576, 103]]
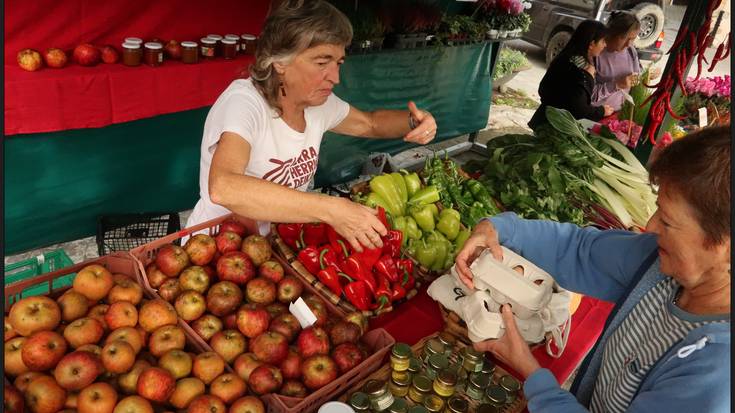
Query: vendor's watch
[[411, 121]]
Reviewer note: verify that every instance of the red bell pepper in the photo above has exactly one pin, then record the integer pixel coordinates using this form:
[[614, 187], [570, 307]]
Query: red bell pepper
[[355, 269], [397, 292], [338, 243], [327, 258], [290, 234], [358, 294], [315, 233], [368, 257], [383, 292], [383, 217], [328, 276], [405, 269], [387, 268], [309, 256], [392, 243]]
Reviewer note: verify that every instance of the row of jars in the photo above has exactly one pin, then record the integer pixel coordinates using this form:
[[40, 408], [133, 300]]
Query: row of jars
[[208, 48]]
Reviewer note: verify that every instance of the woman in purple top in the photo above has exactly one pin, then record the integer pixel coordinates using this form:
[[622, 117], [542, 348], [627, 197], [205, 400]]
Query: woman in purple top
[[617, 67]]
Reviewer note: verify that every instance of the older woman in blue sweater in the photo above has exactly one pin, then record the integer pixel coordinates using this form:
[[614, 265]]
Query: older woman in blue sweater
[[666, 345]]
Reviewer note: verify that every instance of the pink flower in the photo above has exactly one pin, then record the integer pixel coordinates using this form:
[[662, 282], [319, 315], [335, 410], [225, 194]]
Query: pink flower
[[664, 140], [516, 8]]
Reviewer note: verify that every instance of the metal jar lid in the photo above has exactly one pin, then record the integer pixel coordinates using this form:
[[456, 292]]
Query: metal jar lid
[[414, 365], [360, 401], [486, 408], [375, 388], [447, 377], [488, 366], [229, 41], [438, 361], [131, 45], [496, 394], [433, 403], [401, 351], [232, 37], [401, 378], [418, 409], [189, 44], [509, 383], [457, 405], [214, 36], [479, 380], [421, 383], [153, 45], [471, 354], [447, 339], [434, 346], [398, 406], [248, 37], [207, 40]]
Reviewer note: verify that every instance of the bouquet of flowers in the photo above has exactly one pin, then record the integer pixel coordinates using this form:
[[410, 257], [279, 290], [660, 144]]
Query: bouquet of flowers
[[625, 131], [505, 14], [712, 93]]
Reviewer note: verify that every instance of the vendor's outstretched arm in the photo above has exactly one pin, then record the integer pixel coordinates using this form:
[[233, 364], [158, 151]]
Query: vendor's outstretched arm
[[585, 260], [389, 124]]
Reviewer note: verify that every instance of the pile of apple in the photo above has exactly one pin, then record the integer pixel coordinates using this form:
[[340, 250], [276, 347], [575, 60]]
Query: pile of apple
[[235, 298], [101, 348]]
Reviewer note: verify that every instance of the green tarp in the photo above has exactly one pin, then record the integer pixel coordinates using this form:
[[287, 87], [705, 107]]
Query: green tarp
[[57, 184]]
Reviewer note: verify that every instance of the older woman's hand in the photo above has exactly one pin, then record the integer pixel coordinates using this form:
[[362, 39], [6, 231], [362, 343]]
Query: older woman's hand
[[425, 129], [511, 349], [483, 236], [358, 224]]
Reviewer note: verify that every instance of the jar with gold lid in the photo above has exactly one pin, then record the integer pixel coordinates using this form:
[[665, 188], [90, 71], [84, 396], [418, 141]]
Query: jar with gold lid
[[153, 54], [399, 383], [248, 43], [398, 406], [495, 395], [400, 357], [444, 383], [488, 366], [207, 47], [431, 347], [471, 360], [132, 54], [229, 51], [457, 404], [487, 408], [420, 387], [415, 365], [476, 385], [360, 402], [236, 39], [433, 403], [380, 397], [189, 52], [511, 387], [436, 363], [448, 340], [417, 409]]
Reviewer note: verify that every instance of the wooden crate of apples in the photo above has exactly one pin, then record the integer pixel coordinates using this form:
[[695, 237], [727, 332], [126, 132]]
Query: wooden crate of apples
[[101, 346]]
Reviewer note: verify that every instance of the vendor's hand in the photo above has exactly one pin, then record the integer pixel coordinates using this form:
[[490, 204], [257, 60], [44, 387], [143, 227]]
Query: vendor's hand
[[483, 237], [654, 73], [358, 224], [626, 82], [511, 349], [591, 70], [608, 110], [425, 129]]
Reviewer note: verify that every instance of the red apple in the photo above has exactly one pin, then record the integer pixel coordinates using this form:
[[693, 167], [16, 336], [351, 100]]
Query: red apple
[[86, 55], [33, 314], [228, 241], [194, 278], [55, 58], [156, 384], [128, 382], [223, 298], [318, 371], [98, 313], [118, 357], [229, 344], [190, 305], [97, 398], [286, 324], [10, 331], [121, 314], [233, 225], [109, 54], [271, 270], [170, 289], [155, 276], [43, 350], [44, 395], [12, 400], [94, 281], [173, 50], [347, 356], [178, 362], [270, 347], [312, 341], [247, 404], [206, 403], [235, 266], [29, 59], [133, 404], [171, 260], [260, 290], [207, 366], [359, 319], [230, 321], [289, 289], [207, 326], [319, 308], [78, 370], [156, 313], [125, 289], [245, 364], [293, 388], [21, 382], [228, 387], [344, 332], [252, 321], [129, 335], [187, 389], [166, 338], [265, 379], [200, 247], [85, 330], [276, 309], [291, 365], [73, 305], [257, 248]]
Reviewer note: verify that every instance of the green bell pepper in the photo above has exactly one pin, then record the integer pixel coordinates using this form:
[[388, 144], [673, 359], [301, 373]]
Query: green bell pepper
[[401, 224], [434, 210], [411, 248], [400, 186], [423, 216], [461, 238], [426, 195], [449, 259], [426, 253], [412, 228], [412, 182], [384, 186], [449, 211], [449, 224], [441, 253], [374, 200]]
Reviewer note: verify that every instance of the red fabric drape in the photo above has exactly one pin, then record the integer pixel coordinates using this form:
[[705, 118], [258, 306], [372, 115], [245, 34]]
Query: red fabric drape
[[82, 97]]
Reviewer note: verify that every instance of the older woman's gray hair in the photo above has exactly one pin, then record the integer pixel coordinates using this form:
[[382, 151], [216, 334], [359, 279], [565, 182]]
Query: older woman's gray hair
[[293, 27]]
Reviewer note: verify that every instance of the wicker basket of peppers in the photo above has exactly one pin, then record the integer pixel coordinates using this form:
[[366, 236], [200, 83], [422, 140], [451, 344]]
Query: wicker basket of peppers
[[372, 281]]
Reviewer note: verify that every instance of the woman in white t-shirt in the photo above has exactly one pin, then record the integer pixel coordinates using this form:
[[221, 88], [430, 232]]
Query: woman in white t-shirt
[[261, 140]]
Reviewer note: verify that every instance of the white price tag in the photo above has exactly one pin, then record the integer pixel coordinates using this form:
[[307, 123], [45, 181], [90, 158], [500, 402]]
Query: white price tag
[[703, 117], [302, 312]]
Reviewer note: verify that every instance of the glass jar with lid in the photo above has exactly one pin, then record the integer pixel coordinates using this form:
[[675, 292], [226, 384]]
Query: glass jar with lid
[[189, 52], [437, 362], [420, 387], [495, 395], [448, 341], [153, 54], [415, 365], [236, 38], [398, 406], [511, 387], [476, 385], [380, 397], [431, 347], [457, 404], [217, 43], [471, 360], [248, 43], [360, 402], [444, 383], [487, 408], [488, 366], [132, 54], [207, 48], [417, 409], [400, 357], [229, 50], [399, 383], [433, 403]]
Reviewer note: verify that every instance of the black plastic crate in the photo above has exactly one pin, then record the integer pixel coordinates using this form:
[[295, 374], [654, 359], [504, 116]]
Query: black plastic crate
[[123, 232]]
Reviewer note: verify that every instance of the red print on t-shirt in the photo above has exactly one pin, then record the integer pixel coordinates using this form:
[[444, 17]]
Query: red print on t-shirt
[[294, 173]]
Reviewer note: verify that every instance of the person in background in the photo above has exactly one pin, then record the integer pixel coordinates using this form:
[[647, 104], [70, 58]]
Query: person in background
[[570, 79], [666, 344], [260, 147]]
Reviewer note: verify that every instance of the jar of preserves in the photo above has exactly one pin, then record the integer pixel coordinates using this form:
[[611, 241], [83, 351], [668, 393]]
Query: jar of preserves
[[495, 395], [189, 52], [476, 385], [511, 387], [432, 346], [217, 44], [471, 360], [433, 403], [229, 50], [420, 387], [457, 405], [206, 47], [488, 366], [487, 408], [248, 43], [414, 366], [380, 397], [418, 409], [448, 341], [400, 375], [153, 54], [360, 402], [398, 406], [437, 362], [132, 54], [136, 40], [400, 357], [444, 383], [399, 384]]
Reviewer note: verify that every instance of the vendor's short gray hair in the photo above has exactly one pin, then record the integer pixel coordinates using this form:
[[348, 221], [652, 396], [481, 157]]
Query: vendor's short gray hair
[[293, 27]]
